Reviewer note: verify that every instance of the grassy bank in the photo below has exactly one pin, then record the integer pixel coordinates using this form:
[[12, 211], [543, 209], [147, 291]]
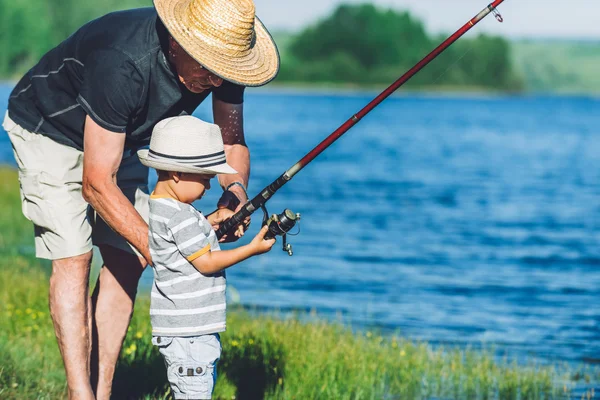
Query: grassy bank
[[263, 357]]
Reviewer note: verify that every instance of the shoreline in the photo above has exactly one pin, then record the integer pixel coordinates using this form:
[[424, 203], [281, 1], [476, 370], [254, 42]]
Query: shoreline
[[338, 360], [308, 89], [350, 89], [257, 311]]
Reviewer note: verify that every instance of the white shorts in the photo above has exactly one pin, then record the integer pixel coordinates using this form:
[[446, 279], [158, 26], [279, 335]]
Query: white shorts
[[51, 174]]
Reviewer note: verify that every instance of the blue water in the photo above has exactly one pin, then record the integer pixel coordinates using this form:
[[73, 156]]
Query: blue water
[[470, 220]]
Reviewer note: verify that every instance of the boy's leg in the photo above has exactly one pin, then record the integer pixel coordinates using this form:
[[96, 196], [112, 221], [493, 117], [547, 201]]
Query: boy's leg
[[191, 364], [205, 352]]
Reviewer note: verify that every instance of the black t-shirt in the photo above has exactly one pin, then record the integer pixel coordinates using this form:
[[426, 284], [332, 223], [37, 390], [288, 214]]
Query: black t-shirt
[[113, 69]]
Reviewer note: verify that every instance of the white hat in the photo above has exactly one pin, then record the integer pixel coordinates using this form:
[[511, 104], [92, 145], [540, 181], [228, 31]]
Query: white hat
[[186, 144]]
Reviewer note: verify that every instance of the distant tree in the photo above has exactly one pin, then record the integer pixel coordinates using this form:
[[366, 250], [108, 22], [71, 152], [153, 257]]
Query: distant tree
[[371, 36], [365, 44], [29, 28], [360, 44], [23, 34], [69, 15]]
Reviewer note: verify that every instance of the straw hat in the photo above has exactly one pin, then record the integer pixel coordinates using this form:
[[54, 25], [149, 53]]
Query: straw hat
[[186, 144], [224, 36]]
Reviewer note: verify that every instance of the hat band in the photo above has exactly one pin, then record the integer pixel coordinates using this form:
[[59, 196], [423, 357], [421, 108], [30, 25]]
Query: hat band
[[205, 161]]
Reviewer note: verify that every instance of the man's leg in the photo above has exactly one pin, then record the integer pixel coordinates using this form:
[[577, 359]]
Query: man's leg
[[113, 301], [50, 175], [70, 309]]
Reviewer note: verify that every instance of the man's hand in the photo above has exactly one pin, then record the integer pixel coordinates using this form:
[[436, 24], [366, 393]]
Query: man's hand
[[220, 216], [229, 200]]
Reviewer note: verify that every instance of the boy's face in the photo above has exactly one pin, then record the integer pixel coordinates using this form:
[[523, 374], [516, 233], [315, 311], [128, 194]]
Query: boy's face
[[191, 187]]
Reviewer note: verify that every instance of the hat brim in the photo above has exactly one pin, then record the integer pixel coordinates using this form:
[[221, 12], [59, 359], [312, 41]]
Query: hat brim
[[146, 160], [258, 67]]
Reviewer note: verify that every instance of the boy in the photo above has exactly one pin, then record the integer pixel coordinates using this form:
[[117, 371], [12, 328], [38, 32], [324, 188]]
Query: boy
[[187, 307]]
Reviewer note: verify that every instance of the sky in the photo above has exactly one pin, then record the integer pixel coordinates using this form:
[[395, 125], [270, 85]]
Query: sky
[[568, 19]]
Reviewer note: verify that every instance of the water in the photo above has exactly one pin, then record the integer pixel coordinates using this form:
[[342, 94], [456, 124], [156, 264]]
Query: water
[[450, 219]]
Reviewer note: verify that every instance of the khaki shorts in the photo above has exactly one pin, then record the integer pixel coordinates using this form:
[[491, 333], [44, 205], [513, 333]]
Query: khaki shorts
[[51, 179]]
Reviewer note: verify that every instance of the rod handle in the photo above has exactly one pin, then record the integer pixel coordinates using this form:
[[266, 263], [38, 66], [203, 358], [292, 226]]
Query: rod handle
[[234, 221], [251, 206]]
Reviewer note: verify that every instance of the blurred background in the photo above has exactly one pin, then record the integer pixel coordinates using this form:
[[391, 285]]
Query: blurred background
[[462, 210]]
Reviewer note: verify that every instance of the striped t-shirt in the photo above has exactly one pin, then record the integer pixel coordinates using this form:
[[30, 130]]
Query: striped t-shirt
[[184, 302]]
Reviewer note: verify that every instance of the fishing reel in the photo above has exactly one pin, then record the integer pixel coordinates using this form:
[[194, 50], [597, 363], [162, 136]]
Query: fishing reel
[[280, 225]]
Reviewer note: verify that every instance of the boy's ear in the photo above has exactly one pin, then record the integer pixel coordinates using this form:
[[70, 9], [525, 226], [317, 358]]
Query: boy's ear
[[176, 176]]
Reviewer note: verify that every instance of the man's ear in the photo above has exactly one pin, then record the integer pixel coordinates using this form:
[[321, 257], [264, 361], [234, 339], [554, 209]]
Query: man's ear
[[173, 45]]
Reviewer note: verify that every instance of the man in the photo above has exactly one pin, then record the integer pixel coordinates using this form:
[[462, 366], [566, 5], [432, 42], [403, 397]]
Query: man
[[76, 120]]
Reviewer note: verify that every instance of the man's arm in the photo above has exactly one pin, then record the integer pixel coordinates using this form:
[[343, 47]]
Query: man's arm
[[230, 118], [103, 151]]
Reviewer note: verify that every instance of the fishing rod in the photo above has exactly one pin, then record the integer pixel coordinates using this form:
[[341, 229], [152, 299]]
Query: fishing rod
[[281, 224]]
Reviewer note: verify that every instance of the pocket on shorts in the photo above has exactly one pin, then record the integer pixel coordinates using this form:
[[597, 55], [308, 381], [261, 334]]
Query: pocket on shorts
[[35, 206], [190, 376], [17, 132], [206, 348], [162, 341], [8, 124], [193, 379], [25, 144]]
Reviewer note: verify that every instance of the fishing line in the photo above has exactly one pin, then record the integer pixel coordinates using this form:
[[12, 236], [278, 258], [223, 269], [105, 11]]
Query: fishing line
[[452, 65]]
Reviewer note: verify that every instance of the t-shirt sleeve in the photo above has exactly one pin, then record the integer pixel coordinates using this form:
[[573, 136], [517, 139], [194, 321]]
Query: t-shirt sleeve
[[111, 89], [188, 235], [229, 93]]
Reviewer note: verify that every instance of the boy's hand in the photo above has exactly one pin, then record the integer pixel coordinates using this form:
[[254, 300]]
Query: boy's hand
[[261, 245], [221, 215]]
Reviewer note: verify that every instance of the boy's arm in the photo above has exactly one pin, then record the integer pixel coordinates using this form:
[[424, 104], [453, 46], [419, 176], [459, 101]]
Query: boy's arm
[[212, 262], [215, 261]]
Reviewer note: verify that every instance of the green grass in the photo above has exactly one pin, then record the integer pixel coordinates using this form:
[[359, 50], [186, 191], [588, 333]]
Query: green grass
[[263, 356]]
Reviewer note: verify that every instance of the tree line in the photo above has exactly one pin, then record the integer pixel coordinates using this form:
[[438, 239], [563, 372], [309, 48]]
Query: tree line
[[29, 28], [363, 44], [359, 44]]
